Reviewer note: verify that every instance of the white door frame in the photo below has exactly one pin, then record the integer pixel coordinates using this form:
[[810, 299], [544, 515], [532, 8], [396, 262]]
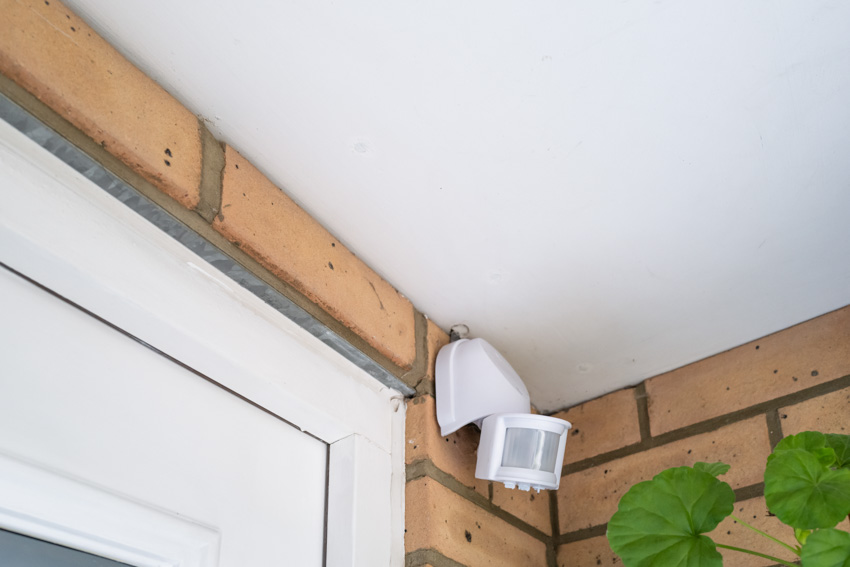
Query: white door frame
[[60, 230]]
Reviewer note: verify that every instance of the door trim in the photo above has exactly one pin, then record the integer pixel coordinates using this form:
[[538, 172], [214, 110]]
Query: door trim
[[60, 230], [84, 517]]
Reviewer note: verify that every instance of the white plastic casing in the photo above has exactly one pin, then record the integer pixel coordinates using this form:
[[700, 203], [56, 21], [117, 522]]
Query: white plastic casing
[[473, 380], [542, 461], [475, 384]]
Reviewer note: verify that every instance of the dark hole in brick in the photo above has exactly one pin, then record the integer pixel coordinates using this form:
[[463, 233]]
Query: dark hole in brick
[[575, 431], [605, 471], [333, 244], [814, 372], [73, 29], [237, 166], [467, 535], [757, 347], [168, 163], [794, 378], [330, 265], [784, 416], [168, 152], [598, 561], [447, 439], [46, 3], [689, 451], [532, 498], [727, 387], [775, 371], [728, 533]]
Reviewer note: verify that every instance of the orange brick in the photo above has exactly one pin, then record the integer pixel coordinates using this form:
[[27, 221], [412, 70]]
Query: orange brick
[[810, 353], [455, 454], [596, 551], [52, 53], [437, 518], [530, 507], [437, 339], [587, 553], [601, 425], [590, 497], [827, 414], [260, 219], [754, 512]]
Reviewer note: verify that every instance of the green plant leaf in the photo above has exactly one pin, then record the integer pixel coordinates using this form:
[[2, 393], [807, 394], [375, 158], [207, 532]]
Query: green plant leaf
[[814, 442], [827, 548], [714, 469], [805, 494], [841, 445], [661, 521], [802, 535]]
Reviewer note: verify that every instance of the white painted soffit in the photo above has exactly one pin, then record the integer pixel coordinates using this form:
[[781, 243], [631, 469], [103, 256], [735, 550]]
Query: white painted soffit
[[603, 190]]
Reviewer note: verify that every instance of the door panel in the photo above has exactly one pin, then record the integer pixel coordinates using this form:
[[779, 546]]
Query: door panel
[[81, 398]]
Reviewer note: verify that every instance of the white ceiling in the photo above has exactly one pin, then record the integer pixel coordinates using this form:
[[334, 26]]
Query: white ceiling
[[602, 189]]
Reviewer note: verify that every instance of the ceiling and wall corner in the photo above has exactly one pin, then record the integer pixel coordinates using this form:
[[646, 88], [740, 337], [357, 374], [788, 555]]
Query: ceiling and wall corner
[[602, 190]]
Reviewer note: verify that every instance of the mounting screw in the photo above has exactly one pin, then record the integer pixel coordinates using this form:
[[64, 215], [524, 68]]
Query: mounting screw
[[459, 331]]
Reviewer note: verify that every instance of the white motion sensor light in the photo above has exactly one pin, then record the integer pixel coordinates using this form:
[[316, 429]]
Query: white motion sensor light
[[475, 384]]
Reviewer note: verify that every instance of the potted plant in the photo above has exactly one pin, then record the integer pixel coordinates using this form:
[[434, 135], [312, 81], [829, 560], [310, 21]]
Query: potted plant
[[662, 522]]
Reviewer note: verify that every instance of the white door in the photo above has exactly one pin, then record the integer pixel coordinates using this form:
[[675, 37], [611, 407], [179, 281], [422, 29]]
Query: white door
[[146, 400], [80, 400]]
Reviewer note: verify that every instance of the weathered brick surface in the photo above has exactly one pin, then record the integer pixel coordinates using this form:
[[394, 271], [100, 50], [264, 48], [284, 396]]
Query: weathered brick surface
[[260, 219], [48, 50], [454, 454], [437, 518], [590, 497], [810, 353], [601, 425], [755, 513], [828, 414], [437, 339], [595, 551], [730, 532], [591, 552], [530, 507]]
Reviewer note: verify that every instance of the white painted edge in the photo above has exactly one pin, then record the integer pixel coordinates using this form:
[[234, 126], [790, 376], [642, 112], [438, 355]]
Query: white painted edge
[[52, 506], [358, 504], [59, 229]]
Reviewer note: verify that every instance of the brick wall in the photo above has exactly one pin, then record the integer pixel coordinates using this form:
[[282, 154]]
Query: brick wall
[[55, 66], [732, 407]]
